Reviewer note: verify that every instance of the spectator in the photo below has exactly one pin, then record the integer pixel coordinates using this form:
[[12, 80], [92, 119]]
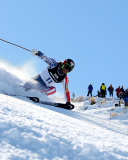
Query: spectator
[[122, 89], [125, 98], [103, 90], [126, 92], [99, 94], [73, 95], [90, 88], [121, 92], [118, 91], [110, 89]]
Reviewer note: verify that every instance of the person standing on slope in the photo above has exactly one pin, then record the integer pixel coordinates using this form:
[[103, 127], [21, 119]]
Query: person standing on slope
[[110, 89], [90, 88], [103, 90], [118, 91], [55, 72]]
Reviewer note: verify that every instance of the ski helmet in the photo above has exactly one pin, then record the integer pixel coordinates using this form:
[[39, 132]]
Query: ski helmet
[[68, 64]]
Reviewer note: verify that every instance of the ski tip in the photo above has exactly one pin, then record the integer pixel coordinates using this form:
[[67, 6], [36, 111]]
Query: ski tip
[[34, 99], [65, 106]]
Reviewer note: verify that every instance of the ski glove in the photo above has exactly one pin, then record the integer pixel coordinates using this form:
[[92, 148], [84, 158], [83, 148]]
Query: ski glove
[[34, 52], [70, 105]]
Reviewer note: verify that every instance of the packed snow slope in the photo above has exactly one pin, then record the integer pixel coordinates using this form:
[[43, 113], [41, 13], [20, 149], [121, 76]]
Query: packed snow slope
[[30, 131]]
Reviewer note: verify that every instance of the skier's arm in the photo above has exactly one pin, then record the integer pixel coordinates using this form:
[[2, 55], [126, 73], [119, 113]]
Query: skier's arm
[[51, 62], [65, 89]]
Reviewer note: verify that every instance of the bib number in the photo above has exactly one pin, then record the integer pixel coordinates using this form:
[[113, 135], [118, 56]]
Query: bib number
[[49, 80]]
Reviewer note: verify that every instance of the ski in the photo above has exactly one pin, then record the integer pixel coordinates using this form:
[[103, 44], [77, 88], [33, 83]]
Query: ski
[[60, 105], [37, 100]]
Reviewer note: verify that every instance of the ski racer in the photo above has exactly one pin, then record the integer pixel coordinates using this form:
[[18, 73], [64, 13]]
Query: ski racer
[[55, 72]]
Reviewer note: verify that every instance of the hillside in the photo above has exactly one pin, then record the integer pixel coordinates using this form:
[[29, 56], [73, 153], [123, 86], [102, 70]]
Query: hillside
[[34, 131]]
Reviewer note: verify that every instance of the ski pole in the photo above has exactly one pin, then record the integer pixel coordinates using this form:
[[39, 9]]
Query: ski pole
[[15, 45]]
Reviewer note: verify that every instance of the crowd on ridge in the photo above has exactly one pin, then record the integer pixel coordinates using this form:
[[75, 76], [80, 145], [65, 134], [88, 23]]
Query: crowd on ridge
[[120, 91]]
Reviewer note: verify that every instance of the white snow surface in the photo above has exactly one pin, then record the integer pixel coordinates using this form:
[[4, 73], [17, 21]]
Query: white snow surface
[[30, 131]]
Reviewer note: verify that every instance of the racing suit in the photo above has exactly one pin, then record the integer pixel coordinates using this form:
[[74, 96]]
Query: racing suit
[[46, 80]]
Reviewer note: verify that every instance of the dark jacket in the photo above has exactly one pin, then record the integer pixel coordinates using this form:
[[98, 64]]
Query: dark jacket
[[124, 96], [110, 89], [126, 91], [90, 88], [121, 89]]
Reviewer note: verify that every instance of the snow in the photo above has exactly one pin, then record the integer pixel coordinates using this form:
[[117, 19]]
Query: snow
[[30, 131]]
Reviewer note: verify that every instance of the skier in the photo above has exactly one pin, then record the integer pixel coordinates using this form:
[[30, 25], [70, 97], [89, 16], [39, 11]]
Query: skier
[[55, 72]]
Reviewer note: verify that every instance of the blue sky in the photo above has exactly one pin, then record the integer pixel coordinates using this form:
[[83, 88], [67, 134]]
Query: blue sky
[[94, 33]]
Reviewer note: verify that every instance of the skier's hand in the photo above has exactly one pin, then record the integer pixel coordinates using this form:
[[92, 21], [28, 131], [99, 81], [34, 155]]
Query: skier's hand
[[34, 52], [70, 105]]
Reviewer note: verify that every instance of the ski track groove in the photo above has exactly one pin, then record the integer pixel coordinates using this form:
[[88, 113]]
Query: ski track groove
[[108, 124]]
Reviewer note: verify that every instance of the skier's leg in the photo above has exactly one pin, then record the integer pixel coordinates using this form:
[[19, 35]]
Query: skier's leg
[[27, 86], [38, 84], [48, 90], [34, 84], [39, 80]]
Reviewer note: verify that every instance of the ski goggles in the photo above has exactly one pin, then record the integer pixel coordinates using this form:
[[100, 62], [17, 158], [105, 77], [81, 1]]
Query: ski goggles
[[68, 67]]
